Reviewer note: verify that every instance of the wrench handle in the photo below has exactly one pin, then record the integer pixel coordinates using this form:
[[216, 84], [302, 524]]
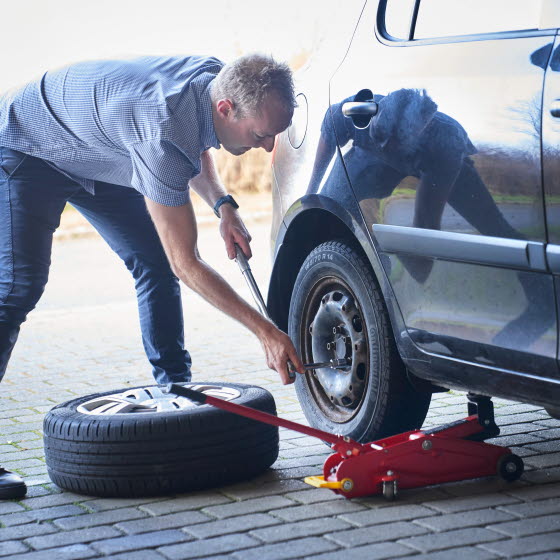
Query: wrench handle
[[257, 296]]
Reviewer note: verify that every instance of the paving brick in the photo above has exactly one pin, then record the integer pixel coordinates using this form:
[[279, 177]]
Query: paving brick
[[546, 460], [248, 506], [532, 526], [144, 540], [284, 551], [24, 531], [480, 486], [385, 532], [196, 501], [533, 509], [377, 551], [172, 521], [543, 476], [102, 518], [248, 491], [549, 433], [288, 531], [472, 518], [521, 428], [44, 514], [522, 547], [9, 507], [229, 525], [319, 449], [62, 538], [451, 539], [544, 446], [324, 509], [313, 496], [516, 418], [217, 545], [7, 548], [72, 552], [472, 502], [470, 553], [105, 504], [136, 555], [58, 499], [387, 514]]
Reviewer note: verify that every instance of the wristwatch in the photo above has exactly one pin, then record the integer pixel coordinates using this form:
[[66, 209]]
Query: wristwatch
[[228, 199]]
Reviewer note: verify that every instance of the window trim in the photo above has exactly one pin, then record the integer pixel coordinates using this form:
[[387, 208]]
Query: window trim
[[387, 39]]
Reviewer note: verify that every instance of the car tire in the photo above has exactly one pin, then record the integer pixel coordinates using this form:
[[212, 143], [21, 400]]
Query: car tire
[[337, 312], [144, 442]]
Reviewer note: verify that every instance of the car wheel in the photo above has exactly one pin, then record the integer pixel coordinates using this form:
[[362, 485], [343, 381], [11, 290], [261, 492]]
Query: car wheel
[[337, 313], [144, 441]]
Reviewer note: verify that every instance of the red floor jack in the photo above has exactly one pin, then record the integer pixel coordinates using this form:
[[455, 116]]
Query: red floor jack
[[410, 460]]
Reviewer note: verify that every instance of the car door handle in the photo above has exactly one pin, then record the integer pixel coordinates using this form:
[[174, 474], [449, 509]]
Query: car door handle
[[360, 109], [555, 108]]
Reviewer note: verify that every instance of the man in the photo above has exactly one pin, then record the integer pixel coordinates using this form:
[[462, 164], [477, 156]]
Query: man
[[123, 141]]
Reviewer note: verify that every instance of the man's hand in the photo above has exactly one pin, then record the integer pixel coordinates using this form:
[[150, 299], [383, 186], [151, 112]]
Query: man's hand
[[278, 349], [233, 230]]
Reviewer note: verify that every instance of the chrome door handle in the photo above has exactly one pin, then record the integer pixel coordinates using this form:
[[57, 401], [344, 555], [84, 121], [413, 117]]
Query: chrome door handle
[[360, 109], [555, 108]]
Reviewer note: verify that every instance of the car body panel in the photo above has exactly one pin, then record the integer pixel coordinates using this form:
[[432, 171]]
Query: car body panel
[[466, 275]]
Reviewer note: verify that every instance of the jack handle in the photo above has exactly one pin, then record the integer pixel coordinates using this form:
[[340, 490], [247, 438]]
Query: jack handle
[[343, 445]]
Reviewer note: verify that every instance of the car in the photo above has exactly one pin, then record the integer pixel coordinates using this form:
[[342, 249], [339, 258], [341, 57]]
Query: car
[[416, 211]]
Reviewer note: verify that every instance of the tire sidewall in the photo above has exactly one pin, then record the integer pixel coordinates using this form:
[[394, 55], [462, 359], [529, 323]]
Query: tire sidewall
[[334, 259]]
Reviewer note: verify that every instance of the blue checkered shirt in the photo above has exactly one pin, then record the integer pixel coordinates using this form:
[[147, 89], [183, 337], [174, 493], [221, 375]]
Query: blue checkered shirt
[[142, 123]]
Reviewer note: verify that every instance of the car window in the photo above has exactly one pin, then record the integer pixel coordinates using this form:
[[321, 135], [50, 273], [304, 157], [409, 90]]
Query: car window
[[447, 18], [398, 16]]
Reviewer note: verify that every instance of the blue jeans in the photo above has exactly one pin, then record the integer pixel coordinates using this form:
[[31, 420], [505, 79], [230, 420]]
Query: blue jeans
[[32, 198]]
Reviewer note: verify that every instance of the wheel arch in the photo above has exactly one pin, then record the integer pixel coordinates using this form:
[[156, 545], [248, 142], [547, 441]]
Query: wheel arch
[[311, 221]]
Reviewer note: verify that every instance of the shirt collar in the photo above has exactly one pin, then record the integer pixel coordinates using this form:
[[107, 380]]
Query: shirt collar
[[208, 138]]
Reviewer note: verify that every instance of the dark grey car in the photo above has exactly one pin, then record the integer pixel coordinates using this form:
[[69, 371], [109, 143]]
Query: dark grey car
[[417, 211]]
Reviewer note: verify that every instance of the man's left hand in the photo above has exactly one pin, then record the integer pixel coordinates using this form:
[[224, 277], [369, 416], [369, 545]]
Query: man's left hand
[[233, 230]]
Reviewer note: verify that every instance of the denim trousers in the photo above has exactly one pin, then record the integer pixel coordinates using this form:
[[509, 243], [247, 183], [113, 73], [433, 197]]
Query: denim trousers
[[32, 197]]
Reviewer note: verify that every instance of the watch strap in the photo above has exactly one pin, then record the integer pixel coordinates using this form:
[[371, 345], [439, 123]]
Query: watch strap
[[228, 199]]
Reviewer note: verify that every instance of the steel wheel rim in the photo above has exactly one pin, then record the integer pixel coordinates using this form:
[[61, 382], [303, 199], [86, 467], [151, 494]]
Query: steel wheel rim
[[332, 310], [151, 400]]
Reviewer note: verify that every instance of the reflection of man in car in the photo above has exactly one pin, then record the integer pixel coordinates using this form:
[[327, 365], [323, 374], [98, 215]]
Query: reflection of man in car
[[410, 137]]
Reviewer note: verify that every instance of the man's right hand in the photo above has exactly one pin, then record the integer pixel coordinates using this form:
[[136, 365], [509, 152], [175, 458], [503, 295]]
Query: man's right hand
[[279, 350]]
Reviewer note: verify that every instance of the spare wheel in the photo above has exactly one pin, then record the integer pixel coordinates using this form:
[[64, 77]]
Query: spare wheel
[[143, 441]]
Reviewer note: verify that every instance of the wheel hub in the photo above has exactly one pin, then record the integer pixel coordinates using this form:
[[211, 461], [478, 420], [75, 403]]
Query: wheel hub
[[337, 334]]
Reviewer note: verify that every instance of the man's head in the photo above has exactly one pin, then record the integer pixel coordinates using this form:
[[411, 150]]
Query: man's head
[[252, 101]]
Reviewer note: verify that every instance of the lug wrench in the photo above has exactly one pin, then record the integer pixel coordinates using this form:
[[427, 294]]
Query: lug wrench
[[243, 263]]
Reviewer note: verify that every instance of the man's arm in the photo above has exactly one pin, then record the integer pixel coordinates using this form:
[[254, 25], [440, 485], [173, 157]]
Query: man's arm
[[209, 186], [176, 227]]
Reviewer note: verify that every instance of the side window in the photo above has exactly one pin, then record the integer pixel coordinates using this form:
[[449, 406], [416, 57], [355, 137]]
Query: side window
[[398, 17], [447, 18]]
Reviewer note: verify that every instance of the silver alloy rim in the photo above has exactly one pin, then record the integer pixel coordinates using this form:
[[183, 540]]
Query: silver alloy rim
[[150, 400]]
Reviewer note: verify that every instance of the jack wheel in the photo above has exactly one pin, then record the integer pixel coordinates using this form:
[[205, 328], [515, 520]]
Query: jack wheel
[[510, 467], [390, 489]]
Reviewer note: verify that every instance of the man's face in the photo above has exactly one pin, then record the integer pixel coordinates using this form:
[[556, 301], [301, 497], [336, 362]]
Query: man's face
[[238, 136]]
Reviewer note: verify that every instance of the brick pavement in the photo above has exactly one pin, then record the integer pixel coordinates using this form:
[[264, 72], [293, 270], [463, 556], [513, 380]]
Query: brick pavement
[[83, 338]]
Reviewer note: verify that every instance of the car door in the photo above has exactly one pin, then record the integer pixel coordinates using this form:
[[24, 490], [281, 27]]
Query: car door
[[448, 173]]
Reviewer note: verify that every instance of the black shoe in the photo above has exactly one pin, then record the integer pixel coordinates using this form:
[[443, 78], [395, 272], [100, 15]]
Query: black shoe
[[12, 486]]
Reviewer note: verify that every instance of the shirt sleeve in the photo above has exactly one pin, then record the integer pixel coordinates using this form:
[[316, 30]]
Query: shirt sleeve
[[161, 172]]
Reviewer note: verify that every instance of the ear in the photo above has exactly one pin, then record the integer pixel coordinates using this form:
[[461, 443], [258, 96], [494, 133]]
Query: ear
[[224, 107]]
